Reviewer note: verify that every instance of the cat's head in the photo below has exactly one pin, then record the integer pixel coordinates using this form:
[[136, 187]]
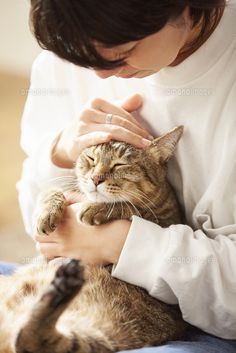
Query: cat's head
[[117, 171]]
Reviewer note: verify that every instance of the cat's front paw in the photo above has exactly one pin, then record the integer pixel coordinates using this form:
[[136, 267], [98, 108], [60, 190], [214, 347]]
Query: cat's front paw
[[51, 214], [49, 217], [47, 222], [93, 214]]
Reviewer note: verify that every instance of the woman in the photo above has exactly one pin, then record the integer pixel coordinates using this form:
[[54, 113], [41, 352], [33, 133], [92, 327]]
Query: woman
[[184, 51]]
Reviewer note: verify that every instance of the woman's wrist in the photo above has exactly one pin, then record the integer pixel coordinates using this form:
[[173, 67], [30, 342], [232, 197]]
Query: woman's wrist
[[114, 240], [58, 156]]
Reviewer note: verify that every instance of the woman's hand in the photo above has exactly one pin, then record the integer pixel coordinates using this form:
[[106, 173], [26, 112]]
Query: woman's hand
[[98, 245], [91, 128]]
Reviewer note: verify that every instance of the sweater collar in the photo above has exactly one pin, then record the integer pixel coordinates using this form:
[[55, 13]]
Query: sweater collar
[[205, 57]]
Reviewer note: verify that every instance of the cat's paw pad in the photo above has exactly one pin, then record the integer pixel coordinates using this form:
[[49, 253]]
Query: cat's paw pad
[[68, 280]]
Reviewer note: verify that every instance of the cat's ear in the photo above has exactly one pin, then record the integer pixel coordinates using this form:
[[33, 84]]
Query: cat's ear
[[162, 148]]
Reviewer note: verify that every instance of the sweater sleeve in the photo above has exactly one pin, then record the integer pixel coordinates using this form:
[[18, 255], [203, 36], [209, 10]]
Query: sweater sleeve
[[58, 92], [47, 110], [195, 269]]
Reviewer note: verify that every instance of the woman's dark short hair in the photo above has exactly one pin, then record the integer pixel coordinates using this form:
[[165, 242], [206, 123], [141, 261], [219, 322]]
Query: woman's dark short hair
[[70, 28]]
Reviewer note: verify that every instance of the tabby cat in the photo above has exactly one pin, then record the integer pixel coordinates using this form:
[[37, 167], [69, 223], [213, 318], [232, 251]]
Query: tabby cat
[[65, 307]]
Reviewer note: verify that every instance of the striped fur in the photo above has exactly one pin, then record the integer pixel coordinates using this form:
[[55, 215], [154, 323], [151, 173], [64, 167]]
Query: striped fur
[[61, 307]]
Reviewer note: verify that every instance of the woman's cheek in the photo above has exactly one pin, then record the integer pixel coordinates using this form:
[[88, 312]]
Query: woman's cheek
[[140, 63], [152, 59], [157, 61]]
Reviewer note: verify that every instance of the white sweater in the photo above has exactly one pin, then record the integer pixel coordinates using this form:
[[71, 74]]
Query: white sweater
[[193, 265]]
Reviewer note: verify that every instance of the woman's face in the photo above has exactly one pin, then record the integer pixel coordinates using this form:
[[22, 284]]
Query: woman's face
[[149, 55]]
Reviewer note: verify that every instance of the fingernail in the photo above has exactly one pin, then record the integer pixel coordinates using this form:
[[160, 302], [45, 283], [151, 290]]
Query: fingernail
[[150, 137], [146, 142]]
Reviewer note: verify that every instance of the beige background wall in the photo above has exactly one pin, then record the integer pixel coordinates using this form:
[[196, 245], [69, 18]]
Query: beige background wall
[[18, 47], [17, 52]]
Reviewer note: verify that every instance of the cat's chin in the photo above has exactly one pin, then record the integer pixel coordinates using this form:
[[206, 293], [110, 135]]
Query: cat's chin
[[97, 197]]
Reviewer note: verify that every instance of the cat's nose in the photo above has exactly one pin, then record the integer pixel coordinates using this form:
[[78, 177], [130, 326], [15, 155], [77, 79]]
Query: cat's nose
[[98, 179]]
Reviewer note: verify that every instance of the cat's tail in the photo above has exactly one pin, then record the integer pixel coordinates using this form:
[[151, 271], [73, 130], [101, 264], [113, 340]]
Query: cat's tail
[[39, 335]]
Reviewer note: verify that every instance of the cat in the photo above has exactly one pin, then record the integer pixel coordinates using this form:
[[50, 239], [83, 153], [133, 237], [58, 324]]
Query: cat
[[67, 307]]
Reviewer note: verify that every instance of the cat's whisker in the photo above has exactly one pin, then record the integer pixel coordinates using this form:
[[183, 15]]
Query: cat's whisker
[[72, 185], [121, 210], [65, 188], [128, 205], [108, 211], [61, 178], [143, 195], [135, 208], [143, 203], [140, 197], [74, 191], [68, 189], [69, 183], [131, 211], [111, 210], [62, 184], [74, 195], [82, 177]]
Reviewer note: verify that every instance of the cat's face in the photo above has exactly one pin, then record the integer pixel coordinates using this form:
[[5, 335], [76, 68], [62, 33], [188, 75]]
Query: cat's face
[[112, 172], [116, 171]]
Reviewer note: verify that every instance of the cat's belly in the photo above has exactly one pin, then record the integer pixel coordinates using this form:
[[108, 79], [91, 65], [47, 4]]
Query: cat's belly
[[106, 306], [127, 313]]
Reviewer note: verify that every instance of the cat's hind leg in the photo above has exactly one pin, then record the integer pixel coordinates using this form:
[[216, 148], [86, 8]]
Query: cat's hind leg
[[39, 335]]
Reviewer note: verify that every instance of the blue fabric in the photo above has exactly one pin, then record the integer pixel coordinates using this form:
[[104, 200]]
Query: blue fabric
[[7, 268], [194, 343]]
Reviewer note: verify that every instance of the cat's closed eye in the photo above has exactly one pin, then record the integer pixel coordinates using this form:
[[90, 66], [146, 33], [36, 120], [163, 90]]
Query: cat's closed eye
[[119, 165], [91, 159]]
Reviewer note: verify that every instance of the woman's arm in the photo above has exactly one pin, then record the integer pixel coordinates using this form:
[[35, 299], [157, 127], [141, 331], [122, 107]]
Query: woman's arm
[[47, 111], [180, 266], [56, 127]]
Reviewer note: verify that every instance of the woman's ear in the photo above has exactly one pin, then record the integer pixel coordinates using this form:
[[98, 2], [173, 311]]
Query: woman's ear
[[163, 147]]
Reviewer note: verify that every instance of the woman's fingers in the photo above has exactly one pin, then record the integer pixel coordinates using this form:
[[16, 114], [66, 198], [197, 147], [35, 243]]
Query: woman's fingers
[[110, 133], [132, 103], [100, 118], [92, 128], [51, 238], [49, 250], [87, 140], [121, 134], [109, 108]]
